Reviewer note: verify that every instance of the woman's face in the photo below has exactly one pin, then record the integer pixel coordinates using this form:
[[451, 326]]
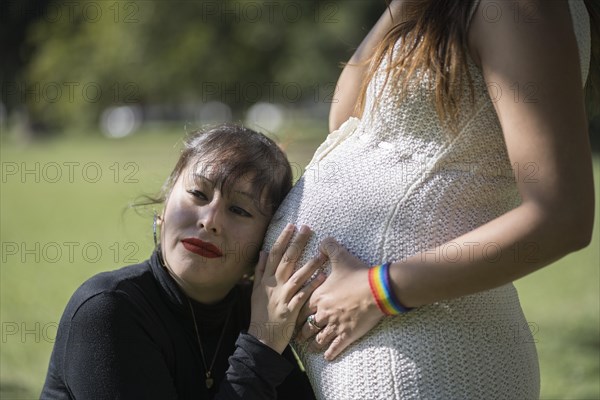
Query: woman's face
[[210, 239]]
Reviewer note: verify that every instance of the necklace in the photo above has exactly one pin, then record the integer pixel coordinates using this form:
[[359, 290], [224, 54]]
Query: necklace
[[208, 370]]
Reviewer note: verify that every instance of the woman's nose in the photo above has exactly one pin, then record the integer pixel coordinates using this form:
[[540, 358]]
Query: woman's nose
[[211, 217]]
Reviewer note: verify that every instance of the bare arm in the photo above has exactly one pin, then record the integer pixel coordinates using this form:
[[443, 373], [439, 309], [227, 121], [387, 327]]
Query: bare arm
[[550, 132], [350, 80]]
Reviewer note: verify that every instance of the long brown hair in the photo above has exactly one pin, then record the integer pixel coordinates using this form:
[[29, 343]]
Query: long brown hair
[[434, 34]]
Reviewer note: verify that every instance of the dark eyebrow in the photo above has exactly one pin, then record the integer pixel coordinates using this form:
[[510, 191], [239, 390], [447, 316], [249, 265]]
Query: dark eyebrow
[[245, 194]]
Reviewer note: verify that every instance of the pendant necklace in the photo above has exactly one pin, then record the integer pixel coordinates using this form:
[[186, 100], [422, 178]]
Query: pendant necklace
[[208, 374]]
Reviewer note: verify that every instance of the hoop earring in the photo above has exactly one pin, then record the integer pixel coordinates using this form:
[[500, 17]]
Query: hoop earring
[[154, 229]]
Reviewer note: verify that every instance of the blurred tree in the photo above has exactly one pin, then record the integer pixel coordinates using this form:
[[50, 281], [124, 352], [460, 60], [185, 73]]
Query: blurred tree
[[94, 54], [82, 56], [15, 18]]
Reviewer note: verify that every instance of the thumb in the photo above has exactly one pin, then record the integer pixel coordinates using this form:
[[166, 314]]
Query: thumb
[[260, 268], [341, 259], [331, 249]]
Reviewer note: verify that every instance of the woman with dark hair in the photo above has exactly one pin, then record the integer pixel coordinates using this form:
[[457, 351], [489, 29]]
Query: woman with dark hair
[[469, 168], [184, 323]]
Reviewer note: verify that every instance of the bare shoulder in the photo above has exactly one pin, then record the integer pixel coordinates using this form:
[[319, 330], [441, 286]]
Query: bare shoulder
[[519, 28]]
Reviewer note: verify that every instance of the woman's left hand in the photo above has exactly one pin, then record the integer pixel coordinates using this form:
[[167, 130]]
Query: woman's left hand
[[280, 292], [344, 308]]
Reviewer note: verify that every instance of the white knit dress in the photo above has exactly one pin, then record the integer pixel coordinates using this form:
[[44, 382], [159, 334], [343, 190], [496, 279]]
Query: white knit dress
[[394, 184]]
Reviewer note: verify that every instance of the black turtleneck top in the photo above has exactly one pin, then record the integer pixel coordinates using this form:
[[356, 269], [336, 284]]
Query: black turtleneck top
[[129, 334]]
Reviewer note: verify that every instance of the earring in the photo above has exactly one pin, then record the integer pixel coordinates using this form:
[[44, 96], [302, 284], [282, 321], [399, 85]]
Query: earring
[[154, 223]]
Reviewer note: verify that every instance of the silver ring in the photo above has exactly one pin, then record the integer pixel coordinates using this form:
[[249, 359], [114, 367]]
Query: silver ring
[[311, 321]]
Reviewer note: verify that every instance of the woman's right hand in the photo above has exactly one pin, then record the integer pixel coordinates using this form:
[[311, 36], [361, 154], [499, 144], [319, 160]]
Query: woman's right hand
[[341, 316], [279, 293]]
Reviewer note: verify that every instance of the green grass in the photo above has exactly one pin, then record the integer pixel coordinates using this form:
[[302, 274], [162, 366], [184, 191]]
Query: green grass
[[561, 301]]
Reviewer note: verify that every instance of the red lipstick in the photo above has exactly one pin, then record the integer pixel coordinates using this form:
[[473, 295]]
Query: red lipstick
[[201, 248]]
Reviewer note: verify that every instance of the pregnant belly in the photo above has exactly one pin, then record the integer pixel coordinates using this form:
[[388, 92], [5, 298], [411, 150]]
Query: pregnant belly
[[385, 207], [345, 196]]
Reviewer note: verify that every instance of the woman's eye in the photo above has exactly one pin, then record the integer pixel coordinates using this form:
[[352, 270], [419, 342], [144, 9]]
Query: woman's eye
[[240, 211], [198, 194]]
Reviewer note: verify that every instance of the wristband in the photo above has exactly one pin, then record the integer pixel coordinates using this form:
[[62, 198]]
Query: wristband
[[379, 281]]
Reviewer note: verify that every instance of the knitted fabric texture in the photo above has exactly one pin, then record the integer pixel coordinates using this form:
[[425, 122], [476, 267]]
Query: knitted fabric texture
[[394, 184]]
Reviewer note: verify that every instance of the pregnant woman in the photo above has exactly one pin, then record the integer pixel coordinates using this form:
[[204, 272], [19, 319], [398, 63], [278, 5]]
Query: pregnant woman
[[468, 168]]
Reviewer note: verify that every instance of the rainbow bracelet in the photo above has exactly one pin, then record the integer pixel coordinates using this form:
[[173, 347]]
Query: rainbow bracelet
[[379, 281]]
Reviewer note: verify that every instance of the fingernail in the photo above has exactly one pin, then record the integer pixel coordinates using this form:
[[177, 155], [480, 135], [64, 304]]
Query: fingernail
[[290, 227], [304, 229]]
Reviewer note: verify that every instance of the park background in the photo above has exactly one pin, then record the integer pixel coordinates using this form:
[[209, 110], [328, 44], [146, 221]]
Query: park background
[[96, 97]]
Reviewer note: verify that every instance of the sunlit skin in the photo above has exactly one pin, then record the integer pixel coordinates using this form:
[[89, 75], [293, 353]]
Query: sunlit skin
[[232, 222], [211, 238], [557, 210]]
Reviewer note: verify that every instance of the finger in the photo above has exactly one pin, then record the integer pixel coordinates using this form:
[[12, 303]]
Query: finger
[[260, 268], [331, 248], [299, 299], [341, 259], [292, 254], [278, 249], [302, 275], [323, 338], [305, 311], [310, 307], [308, 330], [338, 345]]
